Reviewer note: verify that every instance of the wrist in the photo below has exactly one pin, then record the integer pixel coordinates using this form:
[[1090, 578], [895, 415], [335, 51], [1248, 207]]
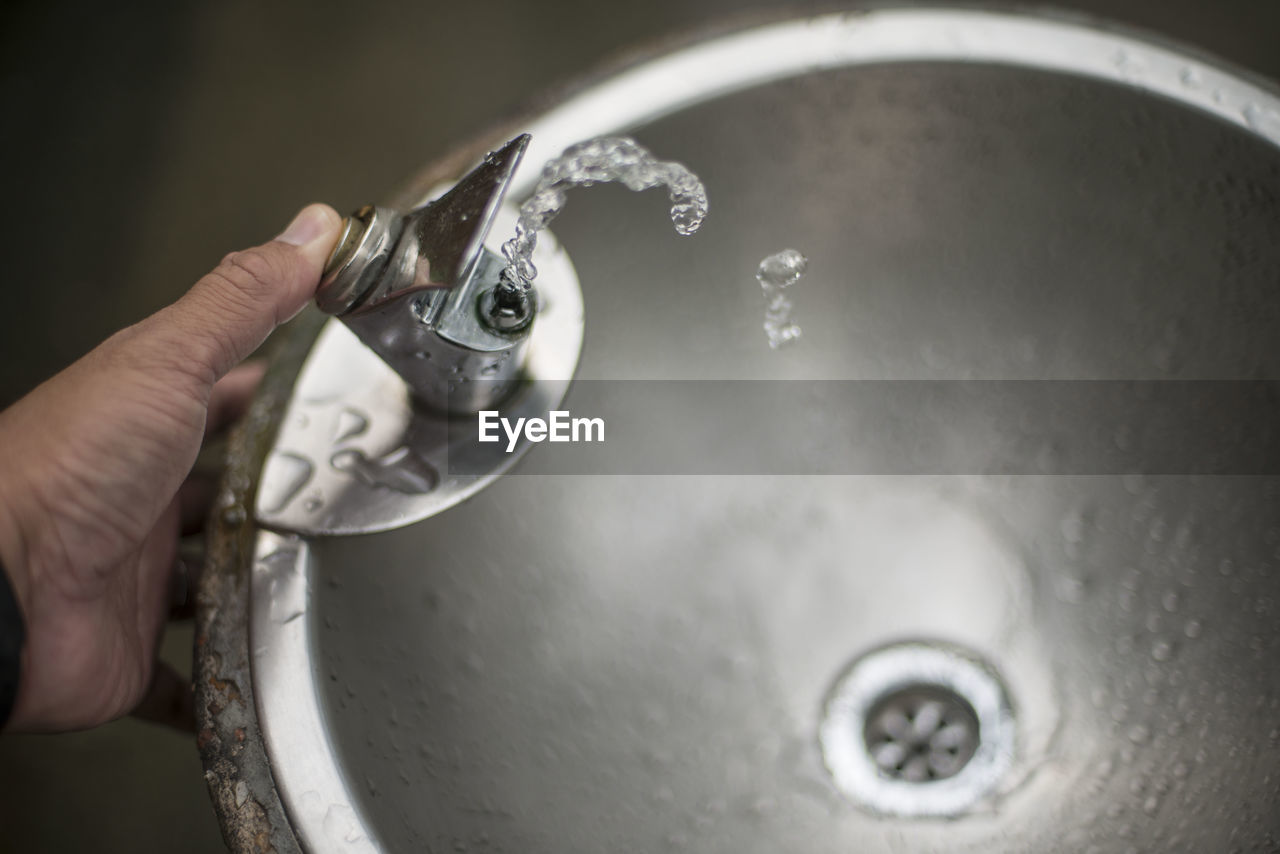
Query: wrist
[[13, 551], [15, 597], [14, 586], [13, 559]]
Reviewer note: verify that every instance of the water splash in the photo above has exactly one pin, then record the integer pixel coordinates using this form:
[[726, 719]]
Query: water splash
[[775, 274], [606, 158]]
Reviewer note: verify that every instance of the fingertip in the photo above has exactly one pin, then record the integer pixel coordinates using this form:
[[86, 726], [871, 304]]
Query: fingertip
[[314, 225], [310, 238]]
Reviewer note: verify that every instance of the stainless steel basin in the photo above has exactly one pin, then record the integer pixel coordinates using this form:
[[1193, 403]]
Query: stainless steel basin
[[587, 663]]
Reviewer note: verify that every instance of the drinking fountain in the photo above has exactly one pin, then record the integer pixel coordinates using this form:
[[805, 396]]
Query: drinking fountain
[[937, 624]]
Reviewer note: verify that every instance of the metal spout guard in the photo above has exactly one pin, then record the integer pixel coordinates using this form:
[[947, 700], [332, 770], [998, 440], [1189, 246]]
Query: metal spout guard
[[416, 289], [357, 450]]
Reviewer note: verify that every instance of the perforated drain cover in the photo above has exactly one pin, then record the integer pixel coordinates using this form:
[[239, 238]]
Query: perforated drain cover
[[918, 729], [922, 733]]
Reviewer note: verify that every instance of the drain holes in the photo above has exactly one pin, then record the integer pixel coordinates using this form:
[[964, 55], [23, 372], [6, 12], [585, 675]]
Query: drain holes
[[917, 729], [921, 733]]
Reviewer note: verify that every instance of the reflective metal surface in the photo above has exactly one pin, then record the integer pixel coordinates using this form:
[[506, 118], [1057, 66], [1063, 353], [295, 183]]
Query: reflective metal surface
[[644, 663], [354, 454], [413, 288]]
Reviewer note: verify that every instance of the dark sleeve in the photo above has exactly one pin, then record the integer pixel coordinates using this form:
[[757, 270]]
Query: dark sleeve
[[11, 637]]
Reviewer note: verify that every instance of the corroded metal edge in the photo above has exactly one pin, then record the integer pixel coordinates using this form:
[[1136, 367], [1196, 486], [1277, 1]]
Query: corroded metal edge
[[227, 733]]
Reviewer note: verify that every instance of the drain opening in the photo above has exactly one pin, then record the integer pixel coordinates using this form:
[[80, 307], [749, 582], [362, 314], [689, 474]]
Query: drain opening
[[921, 733], [918, 729]]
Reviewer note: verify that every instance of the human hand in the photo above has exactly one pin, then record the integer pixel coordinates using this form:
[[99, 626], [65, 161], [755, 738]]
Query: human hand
[[93, 471]]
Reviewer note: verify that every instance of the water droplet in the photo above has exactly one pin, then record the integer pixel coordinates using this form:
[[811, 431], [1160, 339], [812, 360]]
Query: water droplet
[[782, 269], [1130, 67], [401, 470], [350, 423], [775, 273], [283, 477], [1162, 650], [1262, 120], [1190, 77], [1192, 629]]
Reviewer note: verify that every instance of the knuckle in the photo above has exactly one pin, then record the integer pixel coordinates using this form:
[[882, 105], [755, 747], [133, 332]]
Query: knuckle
[[217, 332], [252, 272]]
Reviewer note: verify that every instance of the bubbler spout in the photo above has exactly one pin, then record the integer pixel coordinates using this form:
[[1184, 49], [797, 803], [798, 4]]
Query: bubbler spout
[[421, 290]]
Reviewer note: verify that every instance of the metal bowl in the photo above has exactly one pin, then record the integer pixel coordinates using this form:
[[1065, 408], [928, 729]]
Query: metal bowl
[[995, 204]]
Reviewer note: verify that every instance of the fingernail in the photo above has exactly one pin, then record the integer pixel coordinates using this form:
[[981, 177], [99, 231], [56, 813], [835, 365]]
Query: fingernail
[[310, 223]]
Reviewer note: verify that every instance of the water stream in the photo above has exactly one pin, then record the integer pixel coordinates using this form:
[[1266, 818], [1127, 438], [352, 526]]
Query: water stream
[[606, 158]]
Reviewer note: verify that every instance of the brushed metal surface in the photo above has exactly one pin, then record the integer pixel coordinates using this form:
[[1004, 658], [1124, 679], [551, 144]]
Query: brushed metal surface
[[607, 663]]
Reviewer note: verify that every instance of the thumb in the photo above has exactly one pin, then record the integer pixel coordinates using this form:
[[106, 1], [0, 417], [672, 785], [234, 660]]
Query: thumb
[[231, 310]]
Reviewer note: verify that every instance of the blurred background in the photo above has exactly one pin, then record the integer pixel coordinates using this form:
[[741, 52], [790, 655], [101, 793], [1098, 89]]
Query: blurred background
[[141, 145]]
